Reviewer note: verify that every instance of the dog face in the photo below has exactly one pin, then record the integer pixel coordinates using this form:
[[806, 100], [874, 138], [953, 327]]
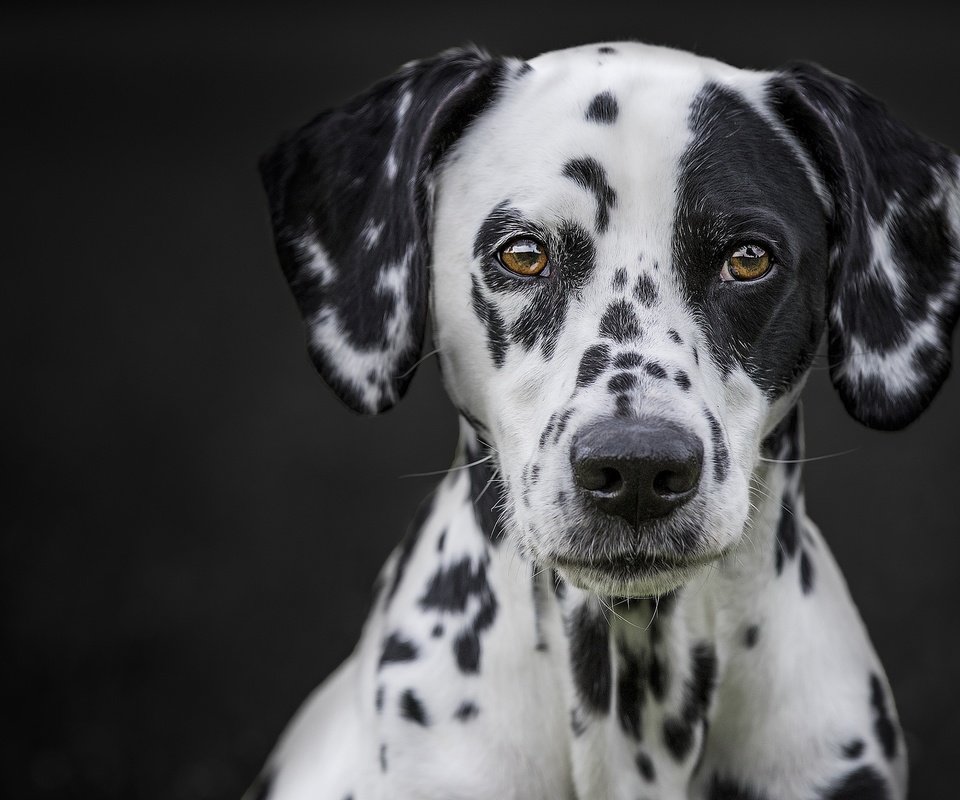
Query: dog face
[[632, 255]]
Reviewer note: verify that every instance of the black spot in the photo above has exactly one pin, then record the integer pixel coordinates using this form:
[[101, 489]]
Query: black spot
[[619, 279], [450, 590], [466, 711], [775, 324], [721, 456], [590, 174], [590, 658], [437, 631], [523, 69], [260, 788], [562, 424], [697, 691], [594, 361], [378, 699], [806, 572], [466, 648], [883, 725], [786, 533], [631, 680], [659, 677], [619, 322], [728, 789], [538, 590], [397, 649], [383, 758], [854, 749], [751, 635], [409, 542], [411, 708], [561, 498], [674, 336], [645, 766], [441, 540], [682, 380], [493, 322], [653, 369], [621, 382], [603, 109], [606, 50], [862, 784], [578, 725], [624, 406], [645, 290], [628, 360]]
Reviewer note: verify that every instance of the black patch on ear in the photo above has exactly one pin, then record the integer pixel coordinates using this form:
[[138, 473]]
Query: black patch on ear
[[594, 361], [862, 784], [350, 197], [697, 692], [883, 725], [590, 658], [729, 789], [411, 708], [590, 174], [396, 649], [889, 183], [741, 180], [619, 322], [603, 109]]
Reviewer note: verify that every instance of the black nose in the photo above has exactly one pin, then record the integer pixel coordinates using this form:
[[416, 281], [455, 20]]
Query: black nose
[[636, 469]]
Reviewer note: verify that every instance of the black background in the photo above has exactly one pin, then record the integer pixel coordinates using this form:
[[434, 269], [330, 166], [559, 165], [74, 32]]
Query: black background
[[190, 520]]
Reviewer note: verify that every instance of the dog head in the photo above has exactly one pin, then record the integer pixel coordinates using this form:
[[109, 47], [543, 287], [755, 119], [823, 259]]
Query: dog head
[[630, 255]]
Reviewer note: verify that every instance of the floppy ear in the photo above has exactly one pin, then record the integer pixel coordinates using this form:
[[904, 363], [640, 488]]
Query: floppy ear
[[895, 244], [351, 196]]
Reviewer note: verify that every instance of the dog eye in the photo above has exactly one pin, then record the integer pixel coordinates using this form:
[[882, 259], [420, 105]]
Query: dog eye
[[747, 263], [524, 256]]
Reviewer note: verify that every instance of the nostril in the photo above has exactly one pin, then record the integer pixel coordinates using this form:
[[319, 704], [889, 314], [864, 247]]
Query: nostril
[[596, 478], [612, 481], [668, 483]]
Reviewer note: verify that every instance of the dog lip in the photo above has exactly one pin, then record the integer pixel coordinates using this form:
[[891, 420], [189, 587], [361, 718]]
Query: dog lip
[[636, 563]]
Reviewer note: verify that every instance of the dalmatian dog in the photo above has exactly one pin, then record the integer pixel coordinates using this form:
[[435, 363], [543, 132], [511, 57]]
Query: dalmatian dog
[[628, 255]]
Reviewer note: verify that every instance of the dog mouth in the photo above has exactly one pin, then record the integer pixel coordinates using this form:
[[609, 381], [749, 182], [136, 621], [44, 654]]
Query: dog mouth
[[652, 572]]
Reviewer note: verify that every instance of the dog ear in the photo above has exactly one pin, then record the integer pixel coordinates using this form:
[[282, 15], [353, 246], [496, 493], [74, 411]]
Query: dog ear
[[351, 196], [894, 244]]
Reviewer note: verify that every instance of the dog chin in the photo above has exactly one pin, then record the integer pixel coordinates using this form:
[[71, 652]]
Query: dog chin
[[625, 583]]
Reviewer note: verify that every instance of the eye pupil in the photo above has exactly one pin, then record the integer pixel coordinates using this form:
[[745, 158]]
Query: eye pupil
[[526, 257]]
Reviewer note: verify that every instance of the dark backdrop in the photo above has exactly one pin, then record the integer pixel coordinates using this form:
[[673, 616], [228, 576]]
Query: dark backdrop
[[191, 521]]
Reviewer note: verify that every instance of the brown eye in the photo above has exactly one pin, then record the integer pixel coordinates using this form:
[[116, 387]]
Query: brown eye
[[746, 263], [524, 257]]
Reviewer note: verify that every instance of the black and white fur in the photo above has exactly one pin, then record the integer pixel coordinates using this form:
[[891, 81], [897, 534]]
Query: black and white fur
[[523, 644]]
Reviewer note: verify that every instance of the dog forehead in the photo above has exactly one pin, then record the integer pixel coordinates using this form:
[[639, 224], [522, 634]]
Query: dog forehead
[[625, 105]]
